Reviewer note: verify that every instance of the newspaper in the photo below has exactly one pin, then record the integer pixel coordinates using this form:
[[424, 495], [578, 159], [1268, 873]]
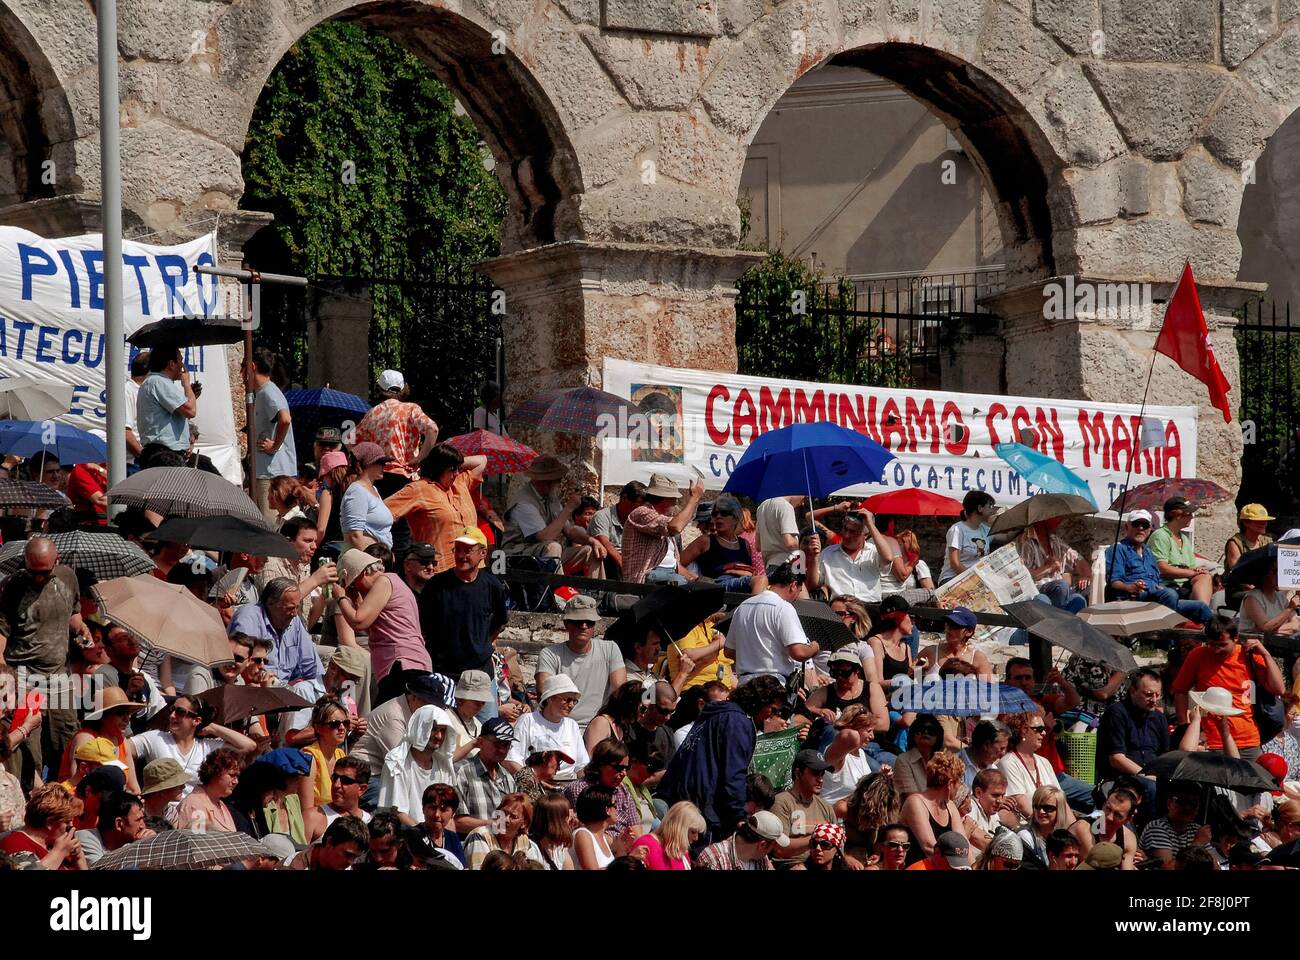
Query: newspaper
[[991, 581]]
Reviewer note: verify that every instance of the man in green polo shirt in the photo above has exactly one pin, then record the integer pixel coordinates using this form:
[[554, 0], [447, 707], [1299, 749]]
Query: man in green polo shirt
[[1171, 545]]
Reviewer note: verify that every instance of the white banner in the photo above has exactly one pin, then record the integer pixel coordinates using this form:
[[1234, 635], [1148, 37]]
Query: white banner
[[52, 323], [944, 441]]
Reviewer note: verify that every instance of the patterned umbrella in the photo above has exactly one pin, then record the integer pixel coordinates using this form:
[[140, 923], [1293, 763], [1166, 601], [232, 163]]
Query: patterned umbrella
[[106, 555], [960, 697], [185, 492], [183, 850], [325, 407], [503, 454], [582, 410], [27, 495], [31, 438], [1152, 496]]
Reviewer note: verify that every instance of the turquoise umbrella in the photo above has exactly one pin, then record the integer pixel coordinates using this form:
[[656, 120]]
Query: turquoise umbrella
[[1044, 472]]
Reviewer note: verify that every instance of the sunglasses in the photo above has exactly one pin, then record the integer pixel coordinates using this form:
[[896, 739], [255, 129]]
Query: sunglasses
[[898, 844], [346, 781], [335, 724], [1140, 524], [843, 673], [238, 659], [821, 845], [582, 623], [1039, 729], [621, 767], [183, 713], [1045, 807]]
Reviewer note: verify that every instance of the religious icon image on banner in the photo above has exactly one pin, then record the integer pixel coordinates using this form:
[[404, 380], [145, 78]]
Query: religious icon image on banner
[[660, 439]]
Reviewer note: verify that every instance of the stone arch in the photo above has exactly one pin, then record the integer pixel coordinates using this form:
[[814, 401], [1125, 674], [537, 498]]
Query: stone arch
[[34, 117], [473, 55]]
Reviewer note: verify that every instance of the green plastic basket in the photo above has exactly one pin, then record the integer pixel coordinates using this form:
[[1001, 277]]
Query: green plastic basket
[[1079, 754]]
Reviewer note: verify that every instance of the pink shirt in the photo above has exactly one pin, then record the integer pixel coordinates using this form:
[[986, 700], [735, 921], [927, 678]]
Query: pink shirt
[[656, 859], [395, 634]]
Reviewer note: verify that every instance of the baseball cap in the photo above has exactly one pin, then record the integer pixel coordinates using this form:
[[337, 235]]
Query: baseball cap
[[1254, 511], [329, 435], [474, 685], [1134, 515], [546, 743], [422, 551], [955, 849], [351, 661], [581, 607], [431, 688], [368, 454], [810, 760], [109, 778], [768, 826], [280, 846], [97, 750], [1276, 767], [499, 729], [331, 461], [391, 380], [1103, 856], [844, 656], [893, 604], [1176, 503], [472, 536], [962, 617], [162, 774], [704, 511]]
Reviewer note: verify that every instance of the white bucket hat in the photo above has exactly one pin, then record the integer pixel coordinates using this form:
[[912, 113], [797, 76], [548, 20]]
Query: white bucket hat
[[555, 684], [1216, 700]]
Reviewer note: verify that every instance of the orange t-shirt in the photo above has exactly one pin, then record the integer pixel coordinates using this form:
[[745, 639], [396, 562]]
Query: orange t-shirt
[[923, 865], [1203, 669]]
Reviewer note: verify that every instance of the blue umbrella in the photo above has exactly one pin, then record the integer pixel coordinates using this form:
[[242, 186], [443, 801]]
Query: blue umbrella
[[324, 403], [67, 444], [1044, 472], [812, 458], [960, 697]]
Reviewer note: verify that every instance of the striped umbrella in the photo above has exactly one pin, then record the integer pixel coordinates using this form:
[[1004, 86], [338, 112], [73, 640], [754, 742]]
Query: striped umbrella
[[105, 555], [503, 454], [28, 495], [185, 492], [183, 850], [581, 410]]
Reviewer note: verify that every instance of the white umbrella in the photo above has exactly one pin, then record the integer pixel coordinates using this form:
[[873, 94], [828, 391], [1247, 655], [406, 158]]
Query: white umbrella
[[28, 398], [1127, 618]]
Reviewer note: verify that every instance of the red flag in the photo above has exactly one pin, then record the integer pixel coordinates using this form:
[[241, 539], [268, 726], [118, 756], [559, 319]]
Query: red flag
[[1185, 339]]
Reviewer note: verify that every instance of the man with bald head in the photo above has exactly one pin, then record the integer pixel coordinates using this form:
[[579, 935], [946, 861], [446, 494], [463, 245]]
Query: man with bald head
[[39, 608]]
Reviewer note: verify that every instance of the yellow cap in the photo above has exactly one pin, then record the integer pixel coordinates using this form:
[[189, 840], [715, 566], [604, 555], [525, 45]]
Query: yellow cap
[[1254, 511], [98, 750], [472, 536]]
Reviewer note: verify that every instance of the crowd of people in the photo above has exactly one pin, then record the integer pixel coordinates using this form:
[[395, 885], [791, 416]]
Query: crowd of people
[[417, 742]]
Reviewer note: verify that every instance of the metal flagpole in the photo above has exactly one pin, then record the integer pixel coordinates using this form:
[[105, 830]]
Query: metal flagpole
[[111, 221]]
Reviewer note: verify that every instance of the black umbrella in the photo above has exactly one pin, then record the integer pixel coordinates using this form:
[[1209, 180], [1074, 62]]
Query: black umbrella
[[819, 623], [29, 495], [671, 611], [225, 533], [1064, 629], [1216, 769], [1253, 565], [188, 332], [106, 555], [233, 703]]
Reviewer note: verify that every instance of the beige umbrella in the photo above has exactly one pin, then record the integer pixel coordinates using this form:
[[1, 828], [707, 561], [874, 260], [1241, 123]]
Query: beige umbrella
[[1128, 618], [31, 398], [166, 616]]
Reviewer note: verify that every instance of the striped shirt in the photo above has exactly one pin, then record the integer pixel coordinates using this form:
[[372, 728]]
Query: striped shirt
[[722, 856], [480, 792], [1162, 835]]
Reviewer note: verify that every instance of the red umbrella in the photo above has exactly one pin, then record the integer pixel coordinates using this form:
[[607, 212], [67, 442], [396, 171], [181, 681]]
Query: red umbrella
[[582, 410], [1152, 496], [913, 503], [503, 454]]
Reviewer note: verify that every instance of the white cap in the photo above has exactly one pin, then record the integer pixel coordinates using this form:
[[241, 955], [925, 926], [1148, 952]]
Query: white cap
[[391, 380], [1137, 515]]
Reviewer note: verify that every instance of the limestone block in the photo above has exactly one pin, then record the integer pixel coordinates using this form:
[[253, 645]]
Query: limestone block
[[1119, 188], [902, 11], [696, 19], [1272, 71], [1171, 31], [308, 13], [663, 212], [580, 90], [693, 152], [249, 45], [162, 162], [1149, 247], [1211, 191], [507, 15], [957, 18], [778, 50], [1158, 108], [613, 150], [654, 73], [1246, 25], [857, 13], [581, 11], [1072, 22], [1017, 53], [1240, 126], [1074, 118], [65, 34], [172, 30], [192, 97], [1164, 190]]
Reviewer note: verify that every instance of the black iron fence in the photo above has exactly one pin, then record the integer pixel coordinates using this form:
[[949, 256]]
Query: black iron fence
[[888, 331], [1268, 347]]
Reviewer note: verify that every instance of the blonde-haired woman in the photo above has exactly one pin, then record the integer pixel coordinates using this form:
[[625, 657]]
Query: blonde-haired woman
[[933, 811], [1051, 812], [669, 847]]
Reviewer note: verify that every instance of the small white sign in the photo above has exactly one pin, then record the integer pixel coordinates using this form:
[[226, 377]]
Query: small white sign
[[1288, 567]]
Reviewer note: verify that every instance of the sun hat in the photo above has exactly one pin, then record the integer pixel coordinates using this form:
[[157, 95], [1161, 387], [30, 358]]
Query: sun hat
[[1103, 856], [1254, 511], [111, 698], [662, 486], [1216, 700], [474, 685], [556, 684], [581, 607], [354, 563], [367, 454], [351, 660], [162, 774], [546, 468], [331, 461]]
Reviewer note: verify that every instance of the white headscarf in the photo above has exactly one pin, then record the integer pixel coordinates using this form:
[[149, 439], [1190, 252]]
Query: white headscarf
[[403, 781]]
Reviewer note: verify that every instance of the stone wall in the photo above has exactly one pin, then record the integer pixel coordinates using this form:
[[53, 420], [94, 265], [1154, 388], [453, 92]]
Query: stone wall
[[1111, 136]]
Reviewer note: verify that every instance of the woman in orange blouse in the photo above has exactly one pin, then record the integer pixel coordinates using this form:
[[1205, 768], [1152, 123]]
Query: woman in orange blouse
[[442, 503]]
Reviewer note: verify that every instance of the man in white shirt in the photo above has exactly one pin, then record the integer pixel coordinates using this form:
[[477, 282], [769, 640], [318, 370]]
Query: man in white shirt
[[766, 636], [348, 783], [852, 567], [139, 370], [778, 528]]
